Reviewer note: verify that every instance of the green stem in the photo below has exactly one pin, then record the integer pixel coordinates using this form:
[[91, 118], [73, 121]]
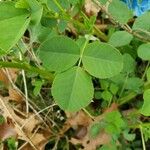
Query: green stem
[[143, 141], [59, 6], [127, 98], [82, 50], [123, 87], [131, 95], [144, 74], [137, 126], [92, 117], [98, 32], [27, 67]]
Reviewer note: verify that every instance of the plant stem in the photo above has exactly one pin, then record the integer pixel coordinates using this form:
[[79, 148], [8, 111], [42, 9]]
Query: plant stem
[[27, 67], [98, 32], [127, 98], [92, 117], [82, 50], [25, 86], [144, 74], [59, 6], [123, 87], [143, 142], [137, 126], [131, 95]]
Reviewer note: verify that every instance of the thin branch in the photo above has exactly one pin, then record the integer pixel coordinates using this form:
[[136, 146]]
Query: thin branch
[[21, 65]]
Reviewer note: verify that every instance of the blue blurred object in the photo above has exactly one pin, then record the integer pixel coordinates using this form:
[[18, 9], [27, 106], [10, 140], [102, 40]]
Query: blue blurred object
[[138, 6]]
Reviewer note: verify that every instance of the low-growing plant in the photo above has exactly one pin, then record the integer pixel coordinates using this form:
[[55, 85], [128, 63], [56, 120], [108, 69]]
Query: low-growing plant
[[60, 45]]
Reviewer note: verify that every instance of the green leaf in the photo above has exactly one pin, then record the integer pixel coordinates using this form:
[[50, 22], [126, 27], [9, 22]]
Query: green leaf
[[142, 22], [106, 95], [148, 74], [97, 95], [22, 4], [115, 122], [123, 35], [129, 64], [13, 23], [40, 33], [120, 11], [103, 2], [102, 60], [35, 8], [145, 110], [146, 132], [119, 79], [144, 51], [113, 88], [95, 130], [11, 143], [2, 119], [128, 136], [36, 11], [134, 84], [74, 2], [64, 4], [59, 53], [73, 90], [37, 86], [104, 84], [62, 25]]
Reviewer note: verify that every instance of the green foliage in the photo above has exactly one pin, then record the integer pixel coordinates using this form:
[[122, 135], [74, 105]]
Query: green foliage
[[148, 74], [143, 51], [106, 95], [80, 60], [145, 110], [11, 144], [120, 38], [59, 53], [128, 136], [129, 64], [134, 84], [15, 21], [95, 129], [146, 131], [102, 60], [120, 11], [2, 119], [142, 23], [37, 86], [73, 89], [115, 123]]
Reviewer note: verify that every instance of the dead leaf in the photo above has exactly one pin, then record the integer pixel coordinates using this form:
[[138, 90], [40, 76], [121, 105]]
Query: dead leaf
[[91, 8], [79, 118], [84, 138], [74, 120], [92, 143], [39, 140], [13, 73], [7, 130], [4, 78], [15, 95], [26, 132]]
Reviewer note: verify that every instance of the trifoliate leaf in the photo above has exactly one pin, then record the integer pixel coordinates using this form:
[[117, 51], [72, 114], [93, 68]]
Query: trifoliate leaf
[[102, 60], [73, 90], [59, 53]]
